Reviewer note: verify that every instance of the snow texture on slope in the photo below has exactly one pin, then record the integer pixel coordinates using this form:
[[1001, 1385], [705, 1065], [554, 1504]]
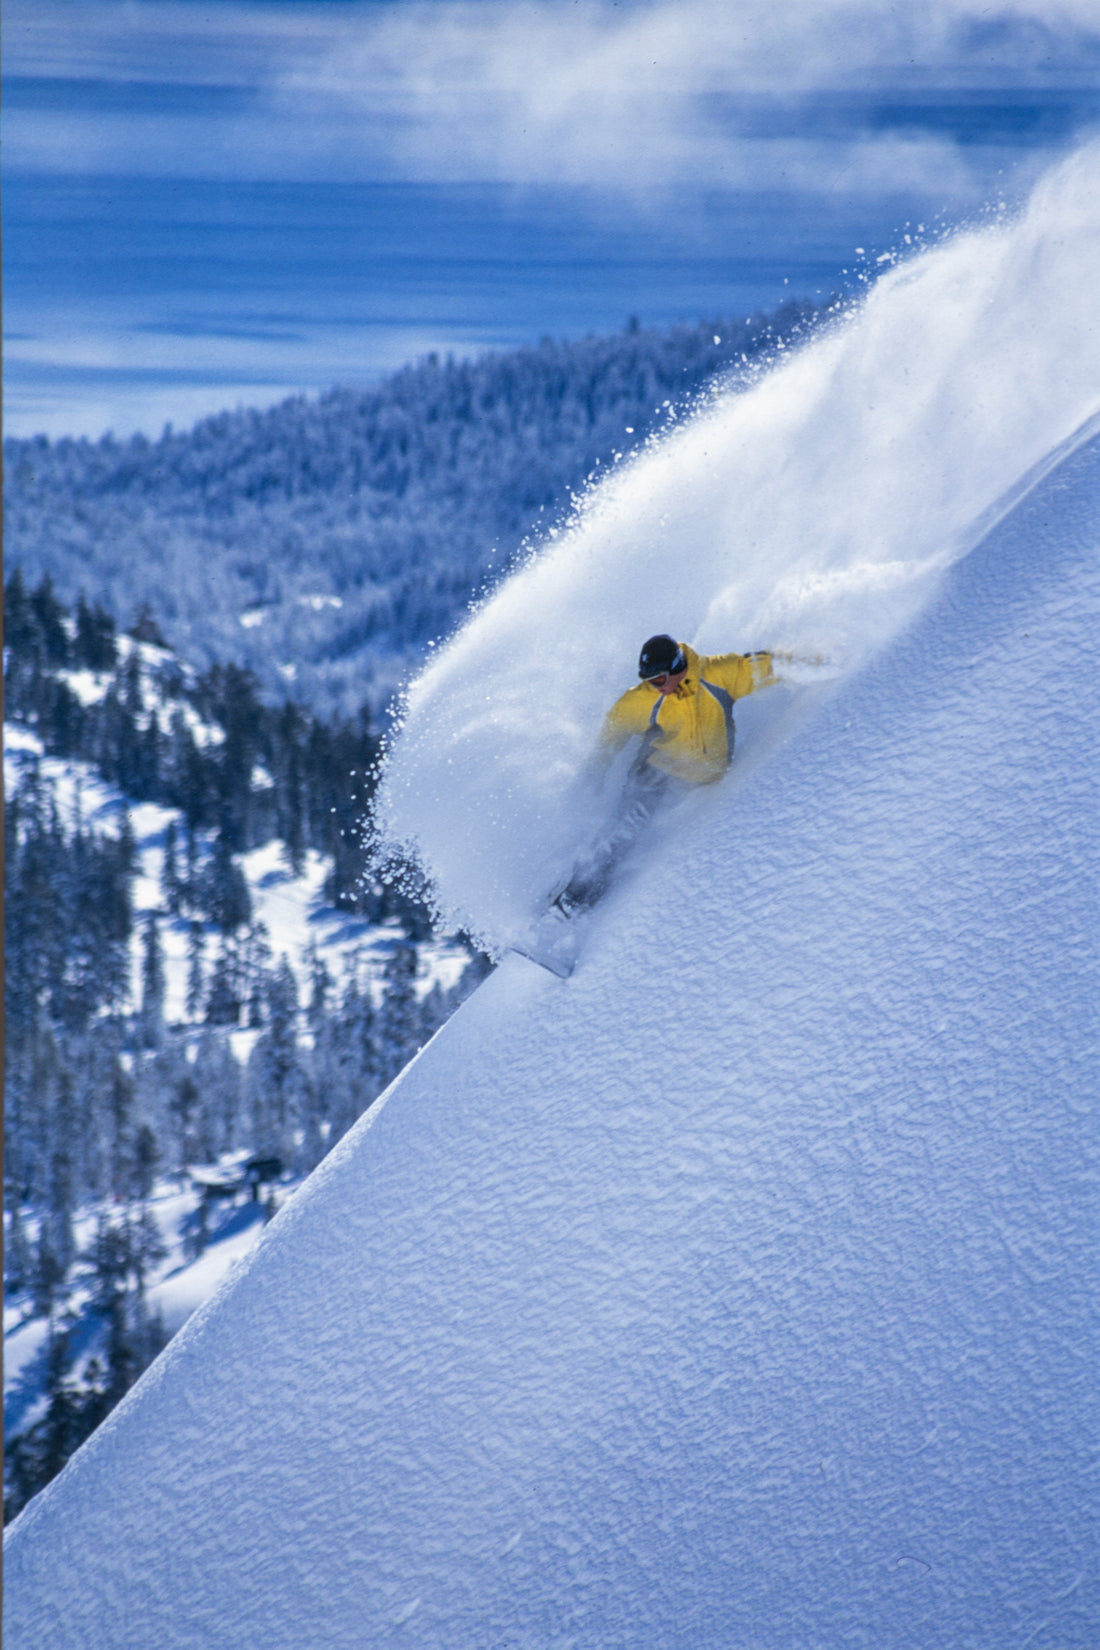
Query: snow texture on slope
[[740, 1292]]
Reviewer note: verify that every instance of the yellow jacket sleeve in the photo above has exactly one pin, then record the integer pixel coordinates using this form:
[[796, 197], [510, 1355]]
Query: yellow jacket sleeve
[[739, 673]]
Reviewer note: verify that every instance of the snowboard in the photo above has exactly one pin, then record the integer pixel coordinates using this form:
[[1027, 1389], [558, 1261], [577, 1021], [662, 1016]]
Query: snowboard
[[551, 942]]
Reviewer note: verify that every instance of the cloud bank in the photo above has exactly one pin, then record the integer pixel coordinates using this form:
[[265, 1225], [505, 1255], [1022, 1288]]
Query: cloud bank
[[841, 93]]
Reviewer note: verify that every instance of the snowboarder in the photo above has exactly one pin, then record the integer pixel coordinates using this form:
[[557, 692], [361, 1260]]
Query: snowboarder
[[682, 709]]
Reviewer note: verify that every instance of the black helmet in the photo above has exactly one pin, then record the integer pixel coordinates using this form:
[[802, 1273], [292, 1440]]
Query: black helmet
[[661, 654]]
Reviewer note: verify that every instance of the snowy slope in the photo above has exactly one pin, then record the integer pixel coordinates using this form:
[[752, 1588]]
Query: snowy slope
[[814, 514], [739, 1292]]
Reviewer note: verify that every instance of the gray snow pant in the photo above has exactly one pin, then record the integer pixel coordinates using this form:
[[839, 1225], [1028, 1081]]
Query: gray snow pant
[[644, 791]]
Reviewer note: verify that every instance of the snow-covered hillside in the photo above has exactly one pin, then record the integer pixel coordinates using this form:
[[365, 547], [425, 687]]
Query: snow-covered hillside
[[297, 921], [739, 1292]]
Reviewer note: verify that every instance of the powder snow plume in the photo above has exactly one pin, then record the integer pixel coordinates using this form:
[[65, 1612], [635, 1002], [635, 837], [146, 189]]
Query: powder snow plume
[[812, 513]]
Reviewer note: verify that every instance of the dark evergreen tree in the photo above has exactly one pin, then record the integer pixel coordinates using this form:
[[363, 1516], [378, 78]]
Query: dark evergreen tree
[[187, 777], [144, 626], [291, 826], [94, 646], [146, 1155], [399, 1029], [191, 868], [224, 896], [345, 1061], [275, 1076], [223, 1002], [18, 1251], [171, 883], [434, 1010], [49, 618], [20, 626], [196, 943], [55, 1183], [57, 1221], [320, 987], [256, 959], [185, 1109], [74, 1410], [130, 686], [49, 1273], [152, 983]]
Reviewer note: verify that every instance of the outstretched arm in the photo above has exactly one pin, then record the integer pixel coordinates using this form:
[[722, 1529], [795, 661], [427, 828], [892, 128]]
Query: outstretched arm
[[743, 673]]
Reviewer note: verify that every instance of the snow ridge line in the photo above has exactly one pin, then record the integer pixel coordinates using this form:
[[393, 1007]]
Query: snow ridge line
[[1015, 495]]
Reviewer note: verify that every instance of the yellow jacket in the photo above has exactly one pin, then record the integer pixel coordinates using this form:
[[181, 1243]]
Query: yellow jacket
[[689, 732]]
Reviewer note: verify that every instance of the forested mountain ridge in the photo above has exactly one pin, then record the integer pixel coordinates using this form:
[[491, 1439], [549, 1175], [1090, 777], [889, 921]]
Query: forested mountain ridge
[[203, 743], [326, 542]]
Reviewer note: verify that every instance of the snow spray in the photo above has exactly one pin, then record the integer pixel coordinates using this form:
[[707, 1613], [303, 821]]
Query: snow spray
[[812, 512]]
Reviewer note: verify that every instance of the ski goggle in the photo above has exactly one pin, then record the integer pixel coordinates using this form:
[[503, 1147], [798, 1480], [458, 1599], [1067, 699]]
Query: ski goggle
[[663, 677]]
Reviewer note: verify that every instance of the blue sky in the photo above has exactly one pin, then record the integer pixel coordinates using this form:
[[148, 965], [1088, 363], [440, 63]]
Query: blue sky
[[641, 118]]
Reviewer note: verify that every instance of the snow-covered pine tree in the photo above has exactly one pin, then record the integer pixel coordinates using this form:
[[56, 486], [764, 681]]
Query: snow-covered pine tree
[[345, 1062], [274, 1074], [218, 1076]]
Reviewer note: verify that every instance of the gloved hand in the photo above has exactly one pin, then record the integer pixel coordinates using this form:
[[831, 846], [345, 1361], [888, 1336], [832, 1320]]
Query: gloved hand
[[816, 661]]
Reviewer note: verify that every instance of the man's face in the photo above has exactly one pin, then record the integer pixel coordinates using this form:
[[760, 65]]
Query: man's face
[[666, 682]]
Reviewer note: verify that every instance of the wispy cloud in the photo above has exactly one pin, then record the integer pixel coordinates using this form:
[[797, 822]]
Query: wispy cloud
[[630, 95]]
